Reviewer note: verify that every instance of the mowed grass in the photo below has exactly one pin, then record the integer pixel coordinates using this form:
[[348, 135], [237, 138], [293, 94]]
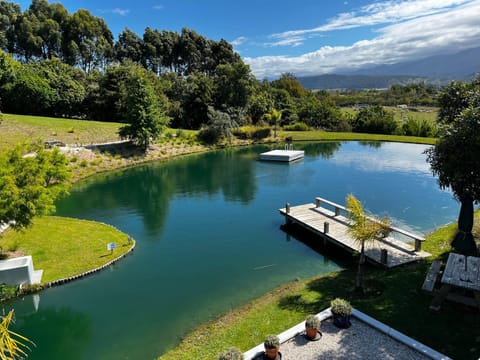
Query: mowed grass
[[454, 330], [65, 247], [345, 136], [23, 128]]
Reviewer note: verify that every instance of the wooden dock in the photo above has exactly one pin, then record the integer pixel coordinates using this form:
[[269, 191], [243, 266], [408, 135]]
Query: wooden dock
[[332, 226]]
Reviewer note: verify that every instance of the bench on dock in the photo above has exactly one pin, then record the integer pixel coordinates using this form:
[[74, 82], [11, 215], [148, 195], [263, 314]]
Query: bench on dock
[[331, 222], [339, 209], [431, 278]]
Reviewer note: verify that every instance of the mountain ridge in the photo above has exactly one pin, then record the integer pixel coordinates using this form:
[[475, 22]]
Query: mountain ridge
[[433, 70]]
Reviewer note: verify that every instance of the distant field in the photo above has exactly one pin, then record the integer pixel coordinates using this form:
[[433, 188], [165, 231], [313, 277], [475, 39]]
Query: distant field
[[422, 113], [21, 128]]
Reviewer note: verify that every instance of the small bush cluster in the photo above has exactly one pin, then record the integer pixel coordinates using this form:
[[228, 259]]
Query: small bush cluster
[[209, 135], [252, 132], [231, 354], [421, 128], [298, 126]]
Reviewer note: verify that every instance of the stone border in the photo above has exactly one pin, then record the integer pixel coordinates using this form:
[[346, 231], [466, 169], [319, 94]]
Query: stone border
[[325, 314], [89, 272]]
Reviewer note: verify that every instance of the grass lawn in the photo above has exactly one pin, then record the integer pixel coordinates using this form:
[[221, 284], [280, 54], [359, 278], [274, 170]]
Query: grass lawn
[[341, 136], [453, 331], [64, 247], [20, 128]]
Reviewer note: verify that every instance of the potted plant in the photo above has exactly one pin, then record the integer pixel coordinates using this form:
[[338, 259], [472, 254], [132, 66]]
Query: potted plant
[[341, 311], [312, 328], [231, 354]]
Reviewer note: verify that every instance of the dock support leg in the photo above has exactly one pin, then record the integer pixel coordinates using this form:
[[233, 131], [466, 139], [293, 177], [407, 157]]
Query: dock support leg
[[418, 245]]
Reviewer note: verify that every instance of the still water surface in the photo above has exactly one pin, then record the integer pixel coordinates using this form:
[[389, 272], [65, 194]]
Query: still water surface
[[209, 239]]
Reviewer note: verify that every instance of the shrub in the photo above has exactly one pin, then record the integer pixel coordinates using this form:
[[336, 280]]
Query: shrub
[[422, 128], [298, 126], [374, 120], [231, 354], [261, 133], [83, 163], [209, 135], [341, 307]]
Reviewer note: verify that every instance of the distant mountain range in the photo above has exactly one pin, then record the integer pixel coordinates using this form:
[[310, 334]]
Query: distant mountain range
[[437, 70]]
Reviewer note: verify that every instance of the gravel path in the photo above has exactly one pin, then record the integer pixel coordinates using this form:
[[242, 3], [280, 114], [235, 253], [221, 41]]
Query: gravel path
[[360, 341]]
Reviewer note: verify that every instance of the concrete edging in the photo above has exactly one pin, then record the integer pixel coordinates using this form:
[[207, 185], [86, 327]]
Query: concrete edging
[[325, 314], [89, 272]]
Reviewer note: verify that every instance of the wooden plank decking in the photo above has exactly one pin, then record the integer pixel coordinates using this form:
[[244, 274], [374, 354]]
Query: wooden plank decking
[[313, 218]]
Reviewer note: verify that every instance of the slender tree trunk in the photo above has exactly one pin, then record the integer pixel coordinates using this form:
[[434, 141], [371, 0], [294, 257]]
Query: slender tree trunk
[[359, 278]]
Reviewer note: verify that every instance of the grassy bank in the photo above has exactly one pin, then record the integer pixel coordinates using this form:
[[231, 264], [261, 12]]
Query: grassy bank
[[401, 305], [23, 128], [342, 136], [65, 247]]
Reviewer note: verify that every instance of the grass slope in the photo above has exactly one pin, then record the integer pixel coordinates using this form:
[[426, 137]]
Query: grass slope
[[64, 247], [23, 128]]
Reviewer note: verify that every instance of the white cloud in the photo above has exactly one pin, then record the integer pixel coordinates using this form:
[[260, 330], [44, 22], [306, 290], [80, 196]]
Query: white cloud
[[238, 41], [379, 13], [447, 31], [116, 11], [158, 7]]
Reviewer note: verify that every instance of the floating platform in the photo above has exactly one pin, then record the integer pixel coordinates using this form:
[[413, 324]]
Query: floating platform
[[332, 227], [282, 155]]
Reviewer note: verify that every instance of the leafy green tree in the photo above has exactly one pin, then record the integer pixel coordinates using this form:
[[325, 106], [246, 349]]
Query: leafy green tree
[[145, 117], [289, 82], [46, 88], [364, 231], [198, 95], [9, 14], [129, 47], [28, 93], [282, 100], [374, 120], [29, 185], [319, 114], [259, 104], [88, 42], [454, 158], [233, 85]]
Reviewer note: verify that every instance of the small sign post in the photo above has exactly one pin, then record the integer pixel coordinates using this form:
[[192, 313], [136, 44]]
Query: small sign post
[[111, 246]]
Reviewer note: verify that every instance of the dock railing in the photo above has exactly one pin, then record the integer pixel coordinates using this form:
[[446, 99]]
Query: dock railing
[[339, 209]]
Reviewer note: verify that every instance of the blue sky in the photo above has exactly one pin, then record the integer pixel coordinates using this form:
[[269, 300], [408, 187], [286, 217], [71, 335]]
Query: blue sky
[[306, 37]]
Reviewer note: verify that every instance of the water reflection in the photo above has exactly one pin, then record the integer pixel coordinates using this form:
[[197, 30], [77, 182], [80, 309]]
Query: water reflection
[[394, 157], [50, 324]]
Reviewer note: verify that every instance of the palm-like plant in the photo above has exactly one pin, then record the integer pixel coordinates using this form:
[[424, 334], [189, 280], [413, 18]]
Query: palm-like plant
[[364, 230], [12, 344], [274, 117]]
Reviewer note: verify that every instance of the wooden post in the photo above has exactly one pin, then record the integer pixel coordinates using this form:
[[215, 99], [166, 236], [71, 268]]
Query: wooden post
[[288, 221], [326, 227], [418, 245], [317, 202], [337, 211], [384, 256]]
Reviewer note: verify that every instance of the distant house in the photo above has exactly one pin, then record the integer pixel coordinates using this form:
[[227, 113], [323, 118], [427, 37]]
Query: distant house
[[402, 106]]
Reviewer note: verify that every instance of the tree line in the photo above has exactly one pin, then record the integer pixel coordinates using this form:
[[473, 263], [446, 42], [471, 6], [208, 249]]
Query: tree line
[[54, 63]]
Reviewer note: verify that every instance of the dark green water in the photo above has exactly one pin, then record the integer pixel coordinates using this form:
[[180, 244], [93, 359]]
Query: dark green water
[[209, 239]]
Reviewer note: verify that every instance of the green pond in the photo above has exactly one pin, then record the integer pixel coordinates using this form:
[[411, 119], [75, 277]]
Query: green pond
[[209, 239]]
